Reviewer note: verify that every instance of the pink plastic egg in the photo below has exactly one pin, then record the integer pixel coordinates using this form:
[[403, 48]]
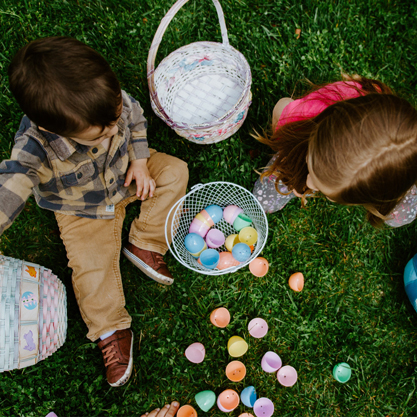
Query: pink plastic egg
[[231, 212], [215, 238], [199, 227], [195, 353]]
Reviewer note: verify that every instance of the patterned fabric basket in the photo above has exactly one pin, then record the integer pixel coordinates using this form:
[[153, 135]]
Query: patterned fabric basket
[[201, 90], [201, 196], [33, 313]]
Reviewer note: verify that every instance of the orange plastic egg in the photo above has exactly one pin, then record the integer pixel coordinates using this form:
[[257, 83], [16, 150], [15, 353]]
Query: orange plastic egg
[[226, 260], [220, 317], [236, 371], [296, 281], [186, 411], [259, 267], [229, 399]]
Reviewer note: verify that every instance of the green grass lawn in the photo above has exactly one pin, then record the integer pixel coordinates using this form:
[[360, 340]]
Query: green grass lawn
[[353, 307]]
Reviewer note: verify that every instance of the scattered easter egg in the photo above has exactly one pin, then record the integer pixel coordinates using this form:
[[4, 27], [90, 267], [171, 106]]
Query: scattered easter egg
[[186, 411], [209, 258], [205, 400], [241, 252], [235, 371], [228, 400], [207, 217], [200, 217], [237, 346], [226, 261], [271, 362], [258, 328], [248, 396], [245, 415], [248, 235], [410, 281], [231, 241], [198, 227], [342, 372], [287, 376], [231, 212], [241, 221], [195, 244], [259, 267], [195, 353], [263, 407], [296, 281], [215, 238], [215, 212], [252, 247], [220, 317]]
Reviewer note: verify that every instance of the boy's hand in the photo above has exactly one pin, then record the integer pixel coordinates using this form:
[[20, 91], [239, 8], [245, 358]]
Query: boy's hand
[[168, 411], [145, 184]]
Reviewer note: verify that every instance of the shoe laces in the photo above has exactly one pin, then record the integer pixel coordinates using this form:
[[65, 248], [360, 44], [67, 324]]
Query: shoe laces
[[108, 354], [159, 259]]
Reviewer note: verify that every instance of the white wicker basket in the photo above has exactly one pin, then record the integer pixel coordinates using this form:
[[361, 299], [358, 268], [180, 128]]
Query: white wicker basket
[[201, 196], [33, 313], [201, 90]]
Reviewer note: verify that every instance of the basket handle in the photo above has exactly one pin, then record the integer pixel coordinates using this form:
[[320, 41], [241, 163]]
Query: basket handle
[[157, 40]]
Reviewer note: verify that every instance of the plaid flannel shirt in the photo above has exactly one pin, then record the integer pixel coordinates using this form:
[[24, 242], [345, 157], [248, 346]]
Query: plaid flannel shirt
[[68, 177]]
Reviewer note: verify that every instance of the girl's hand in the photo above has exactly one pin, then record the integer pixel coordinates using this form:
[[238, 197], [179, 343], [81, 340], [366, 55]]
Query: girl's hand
[[145, 184], [168, 411]]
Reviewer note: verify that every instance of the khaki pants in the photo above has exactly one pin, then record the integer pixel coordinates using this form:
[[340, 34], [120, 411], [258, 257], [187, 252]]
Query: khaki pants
[[93, 246]]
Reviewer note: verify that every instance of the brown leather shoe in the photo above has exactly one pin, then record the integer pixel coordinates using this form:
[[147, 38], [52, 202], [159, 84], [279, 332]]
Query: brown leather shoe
[[150, 263], [117, 356]]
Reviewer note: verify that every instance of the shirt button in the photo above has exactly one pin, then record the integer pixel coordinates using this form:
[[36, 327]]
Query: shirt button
[[95, 150], [79, 175], [111, 180], [114, 193]]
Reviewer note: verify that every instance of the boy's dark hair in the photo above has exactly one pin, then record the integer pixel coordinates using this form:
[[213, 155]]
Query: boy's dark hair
[[64, 86]]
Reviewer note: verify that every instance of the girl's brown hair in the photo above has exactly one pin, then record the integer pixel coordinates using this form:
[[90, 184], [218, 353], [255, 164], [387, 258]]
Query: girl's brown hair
[[64, 85], [364, 148]]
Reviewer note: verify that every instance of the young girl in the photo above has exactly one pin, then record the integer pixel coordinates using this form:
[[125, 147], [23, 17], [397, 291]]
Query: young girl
[[354, 141]]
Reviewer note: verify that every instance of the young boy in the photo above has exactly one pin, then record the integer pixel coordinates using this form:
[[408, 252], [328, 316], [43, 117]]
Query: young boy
[[79, 147]]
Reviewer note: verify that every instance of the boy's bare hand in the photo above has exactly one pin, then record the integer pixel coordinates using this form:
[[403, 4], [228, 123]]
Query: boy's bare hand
[[145, 184], [168, 411]]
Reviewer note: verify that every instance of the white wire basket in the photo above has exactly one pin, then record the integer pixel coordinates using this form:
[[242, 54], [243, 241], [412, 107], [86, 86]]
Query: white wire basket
[[201, 90], [202, 195], [33, 313]]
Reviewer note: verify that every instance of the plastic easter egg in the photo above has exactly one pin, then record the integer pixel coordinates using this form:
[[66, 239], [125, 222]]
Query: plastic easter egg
[[226, 260], [231, 241], [205, 400], [237, 346], [248, 396], [215, 238], [241, 252], [231, 212], [207, 217], [296, 281], [271, 362], [200, 217], [342, 372], [241, 221], [209, 258], [248, 235], [228, 400], [287, 376], [195, 353], [199, 227], [235, 371], [215, 212], [258, 328], [195, 244], [246, 415], [410, 281], [220, 317], [186, 411], [263, 407], [259, 267]]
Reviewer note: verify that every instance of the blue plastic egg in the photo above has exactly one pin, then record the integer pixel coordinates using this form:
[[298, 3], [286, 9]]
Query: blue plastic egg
[[210, 258], [410, 281], [215, 212], [248, 396], [195, 244], [241, 252]]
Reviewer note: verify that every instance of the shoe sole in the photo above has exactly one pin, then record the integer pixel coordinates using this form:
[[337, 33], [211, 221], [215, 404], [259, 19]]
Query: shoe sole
[[129, 369], [146, 269]]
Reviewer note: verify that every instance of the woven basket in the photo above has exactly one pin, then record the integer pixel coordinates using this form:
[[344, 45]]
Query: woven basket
[[33, 313], [201, 196], [201, 90]]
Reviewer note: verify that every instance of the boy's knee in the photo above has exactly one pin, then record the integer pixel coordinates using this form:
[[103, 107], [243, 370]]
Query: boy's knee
[[174, 171]]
